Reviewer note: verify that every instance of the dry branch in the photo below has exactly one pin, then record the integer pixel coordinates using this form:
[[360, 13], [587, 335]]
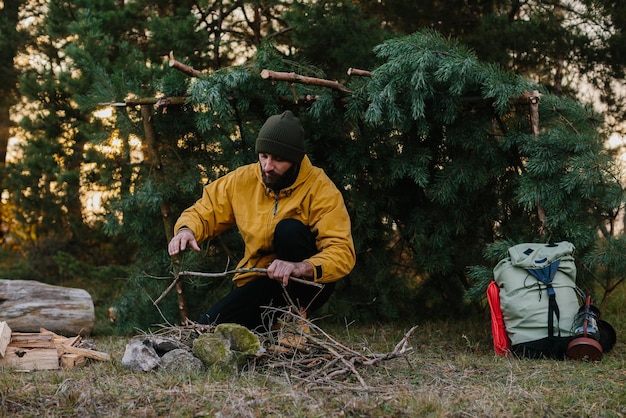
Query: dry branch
[[183, 67], [533, 98], [297, 78], [181, 274], [362, 73], [155, 101]]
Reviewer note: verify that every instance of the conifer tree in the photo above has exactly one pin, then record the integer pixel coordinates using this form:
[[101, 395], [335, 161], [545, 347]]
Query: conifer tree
[[437, 159], [434, 152]]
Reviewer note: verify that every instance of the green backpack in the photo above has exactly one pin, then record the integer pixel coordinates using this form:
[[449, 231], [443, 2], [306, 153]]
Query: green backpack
[[538, 298]]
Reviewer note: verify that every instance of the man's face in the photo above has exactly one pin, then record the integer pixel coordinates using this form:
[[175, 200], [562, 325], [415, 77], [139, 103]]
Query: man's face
[[274, 170]]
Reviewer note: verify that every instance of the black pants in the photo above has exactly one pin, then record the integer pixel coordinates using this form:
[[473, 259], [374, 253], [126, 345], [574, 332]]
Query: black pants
[[293, 241]]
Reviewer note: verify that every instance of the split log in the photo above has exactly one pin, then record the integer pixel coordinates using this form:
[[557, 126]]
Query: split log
[[31, 359], [86, 352], [72, 361], [5, 337], [46, 351], [31, 340], [28, 305]]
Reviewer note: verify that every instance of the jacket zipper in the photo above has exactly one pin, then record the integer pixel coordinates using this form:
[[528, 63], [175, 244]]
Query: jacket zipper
[[276, 196], [287, 193]]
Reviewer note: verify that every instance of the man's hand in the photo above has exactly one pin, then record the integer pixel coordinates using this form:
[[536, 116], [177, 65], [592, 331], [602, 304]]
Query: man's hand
[[181, 241], [281, 270]]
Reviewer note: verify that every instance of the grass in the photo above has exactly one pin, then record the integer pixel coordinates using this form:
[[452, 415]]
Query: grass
[[452, 371]]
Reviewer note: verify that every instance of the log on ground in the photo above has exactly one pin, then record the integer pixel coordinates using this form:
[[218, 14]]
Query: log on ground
[[28, 306]]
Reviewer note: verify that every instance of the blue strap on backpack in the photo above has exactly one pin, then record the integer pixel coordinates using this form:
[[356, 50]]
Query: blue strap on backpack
[[545, 275]]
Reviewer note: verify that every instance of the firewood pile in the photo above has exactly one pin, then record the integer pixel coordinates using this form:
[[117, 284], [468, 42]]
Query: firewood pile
[[45, 350]]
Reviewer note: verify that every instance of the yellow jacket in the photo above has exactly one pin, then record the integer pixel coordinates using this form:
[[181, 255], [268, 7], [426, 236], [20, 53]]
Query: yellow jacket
[[240, 198]]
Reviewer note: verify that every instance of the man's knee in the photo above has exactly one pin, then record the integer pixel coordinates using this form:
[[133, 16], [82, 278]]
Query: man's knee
[[289, 228], [293, 241]]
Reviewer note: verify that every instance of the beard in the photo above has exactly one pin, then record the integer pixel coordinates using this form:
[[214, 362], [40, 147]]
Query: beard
[[278, 182]]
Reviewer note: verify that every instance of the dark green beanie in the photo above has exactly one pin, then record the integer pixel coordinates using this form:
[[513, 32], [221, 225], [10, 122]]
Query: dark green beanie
[[283, 136]]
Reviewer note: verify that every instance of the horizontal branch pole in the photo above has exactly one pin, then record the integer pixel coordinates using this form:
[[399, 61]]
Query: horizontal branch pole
[[297, 78], [190, 71], [156, 101], [362, 73]]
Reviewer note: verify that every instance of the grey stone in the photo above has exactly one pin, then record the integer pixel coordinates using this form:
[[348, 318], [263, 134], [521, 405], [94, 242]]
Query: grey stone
[[140, 355], [180, 360]]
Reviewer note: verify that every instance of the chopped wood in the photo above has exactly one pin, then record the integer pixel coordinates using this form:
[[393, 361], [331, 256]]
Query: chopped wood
[[32, 340], [5, 337], [31, 359], [93, 354], [74, 341], [47, 350], [72, 361], [58, 339]]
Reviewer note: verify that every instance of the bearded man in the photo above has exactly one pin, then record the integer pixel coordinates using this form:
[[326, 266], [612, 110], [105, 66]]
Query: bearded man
[[293, 221]]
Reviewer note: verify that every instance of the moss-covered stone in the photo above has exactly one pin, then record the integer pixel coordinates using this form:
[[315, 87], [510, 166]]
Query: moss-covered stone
[[241, 339], [227, 348], [213, 350]]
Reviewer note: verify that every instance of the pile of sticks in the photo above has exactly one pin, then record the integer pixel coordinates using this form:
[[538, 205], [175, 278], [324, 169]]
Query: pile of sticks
[[312, 358], [298, 348]]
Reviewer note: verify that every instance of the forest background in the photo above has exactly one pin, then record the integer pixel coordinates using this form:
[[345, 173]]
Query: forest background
[[475, 125]]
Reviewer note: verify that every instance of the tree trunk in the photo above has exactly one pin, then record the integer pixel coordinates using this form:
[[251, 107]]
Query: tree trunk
[[168, 222], [8, 87], [28, 306]]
